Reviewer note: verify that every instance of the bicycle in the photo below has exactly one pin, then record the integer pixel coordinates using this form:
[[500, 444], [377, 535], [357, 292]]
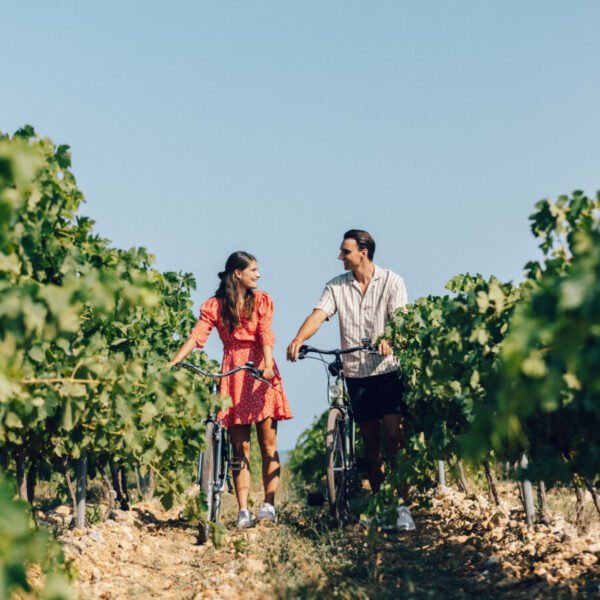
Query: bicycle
[[216, 460], [341, 430]]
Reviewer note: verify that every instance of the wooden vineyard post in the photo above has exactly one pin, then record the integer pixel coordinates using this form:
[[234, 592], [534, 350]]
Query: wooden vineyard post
[[580, 506], [542, 503], [462, 478], [21, 474], [31, 481], [527, 490], [149, 486], [81, 477], [117, 473], [441, 477], [593, 492], [490, 481]]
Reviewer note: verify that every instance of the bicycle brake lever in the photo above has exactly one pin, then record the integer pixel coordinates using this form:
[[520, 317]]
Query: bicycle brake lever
[[257, 373], [263, 380]]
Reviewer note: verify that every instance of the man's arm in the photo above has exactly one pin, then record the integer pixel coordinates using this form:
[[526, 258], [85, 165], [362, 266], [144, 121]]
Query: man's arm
[[308, 329]]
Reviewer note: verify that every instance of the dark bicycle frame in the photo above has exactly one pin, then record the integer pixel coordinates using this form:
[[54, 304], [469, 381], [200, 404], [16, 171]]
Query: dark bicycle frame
[[340, 401], [222, 454]]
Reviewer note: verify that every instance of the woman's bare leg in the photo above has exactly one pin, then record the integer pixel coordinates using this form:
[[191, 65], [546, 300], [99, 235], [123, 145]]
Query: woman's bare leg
[[267, 439], [240, 441]]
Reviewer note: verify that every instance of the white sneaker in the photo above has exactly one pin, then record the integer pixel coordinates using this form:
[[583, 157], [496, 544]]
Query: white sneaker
[[244, 519], [405, 521], [267, 512]]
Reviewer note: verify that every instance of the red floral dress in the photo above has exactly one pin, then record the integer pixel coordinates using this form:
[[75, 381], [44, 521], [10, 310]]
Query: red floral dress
[[253, 401]]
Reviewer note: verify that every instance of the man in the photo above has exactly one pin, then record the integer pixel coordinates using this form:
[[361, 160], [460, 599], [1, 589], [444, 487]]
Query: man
[[365, 298]]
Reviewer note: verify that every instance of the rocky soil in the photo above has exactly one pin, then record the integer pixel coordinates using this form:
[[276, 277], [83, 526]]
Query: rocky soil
[[463, 547]]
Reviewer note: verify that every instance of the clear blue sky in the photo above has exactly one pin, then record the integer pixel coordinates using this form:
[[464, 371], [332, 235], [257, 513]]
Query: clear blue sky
[[201, 128]]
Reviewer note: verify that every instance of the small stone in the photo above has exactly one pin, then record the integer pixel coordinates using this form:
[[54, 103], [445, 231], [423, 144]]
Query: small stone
[[440, 491], [492, 561], [508, 581], [497, 518], [122, 516], [78, 546], [593, 549], [96, 536], [589, 559], [43, 523], [459, 539], [63, 511], [511, 570], [193, 491], [564, 571], [255, 565], [482, 501], [567, 537], [540, 570], [125, 545], [530, 549], [126, 531], [60, 516], [558, 525]]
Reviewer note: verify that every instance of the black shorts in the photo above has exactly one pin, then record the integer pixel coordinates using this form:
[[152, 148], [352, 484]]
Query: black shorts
[[375, 396]]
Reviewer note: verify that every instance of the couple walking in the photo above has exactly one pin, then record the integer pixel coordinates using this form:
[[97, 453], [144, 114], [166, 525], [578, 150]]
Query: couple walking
[[365, 297]]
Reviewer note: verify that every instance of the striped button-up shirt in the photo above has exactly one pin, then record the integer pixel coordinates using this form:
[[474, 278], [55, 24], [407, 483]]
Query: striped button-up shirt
[[364, 316]]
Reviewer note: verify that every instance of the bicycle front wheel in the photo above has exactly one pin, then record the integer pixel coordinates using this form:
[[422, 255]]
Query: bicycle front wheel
[[207, 482], [337, 472]]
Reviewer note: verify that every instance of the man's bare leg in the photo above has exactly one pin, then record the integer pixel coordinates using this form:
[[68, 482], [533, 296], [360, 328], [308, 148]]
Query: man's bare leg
[[395, 440], [371, 435]]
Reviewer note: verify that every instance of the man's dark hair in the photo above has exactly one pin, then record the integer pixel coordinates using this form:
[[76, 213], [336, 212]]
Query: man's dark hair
[[363, 239]]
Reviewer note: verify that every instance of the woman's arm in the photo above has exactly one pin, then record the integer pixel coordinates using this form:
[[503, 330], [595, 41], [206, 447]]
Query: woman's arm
[[183, 352], [266, 337], [199, 335], [269, 364]]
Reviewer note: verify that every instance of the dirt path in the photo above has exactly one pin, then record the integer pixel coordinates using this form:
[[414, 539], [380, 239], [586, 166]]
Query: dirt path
[[463, 548]]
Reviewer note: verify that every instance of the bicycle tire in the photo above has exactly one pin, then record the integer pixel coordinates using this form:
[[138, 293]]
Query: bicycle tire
[[337, 474], [207, 482]]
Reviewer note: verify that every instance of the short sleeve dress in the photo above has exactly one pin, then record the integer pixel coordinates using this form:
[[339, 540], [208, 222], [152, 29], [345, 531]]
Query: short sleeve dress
[[253, 401]]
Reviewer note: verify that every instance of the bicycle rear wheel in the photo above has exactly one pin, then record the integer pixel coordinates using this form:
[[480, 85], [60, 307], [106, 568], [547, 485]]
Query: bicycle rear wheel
[[207, 483], [337, 472]]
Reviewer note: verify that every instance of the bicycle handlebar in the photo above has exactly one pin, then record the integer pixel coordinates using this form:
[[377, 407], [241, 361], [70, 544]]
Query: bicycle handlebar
[[249, 366], [304, 350]]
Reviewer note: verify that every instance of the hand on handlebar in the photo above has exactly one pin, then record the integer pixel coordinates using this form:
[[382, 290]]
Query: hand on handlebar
[[292, 350], [384, 348], [268, 374]]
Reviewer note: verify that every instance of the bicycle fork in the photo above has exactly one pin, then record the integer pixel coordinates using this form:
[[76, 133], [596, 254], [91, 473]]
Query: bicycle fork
[[221, 461], [337, 398]]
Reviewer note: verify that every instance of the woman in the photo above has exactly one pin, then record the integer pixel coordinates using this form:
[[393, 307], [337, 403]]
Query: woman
[[243, 316]]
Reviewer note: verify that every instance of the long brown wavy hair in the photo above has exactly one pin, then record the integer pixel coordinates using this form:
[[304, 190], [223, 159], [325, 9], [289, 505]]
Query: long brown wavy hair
[[228, 290]]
